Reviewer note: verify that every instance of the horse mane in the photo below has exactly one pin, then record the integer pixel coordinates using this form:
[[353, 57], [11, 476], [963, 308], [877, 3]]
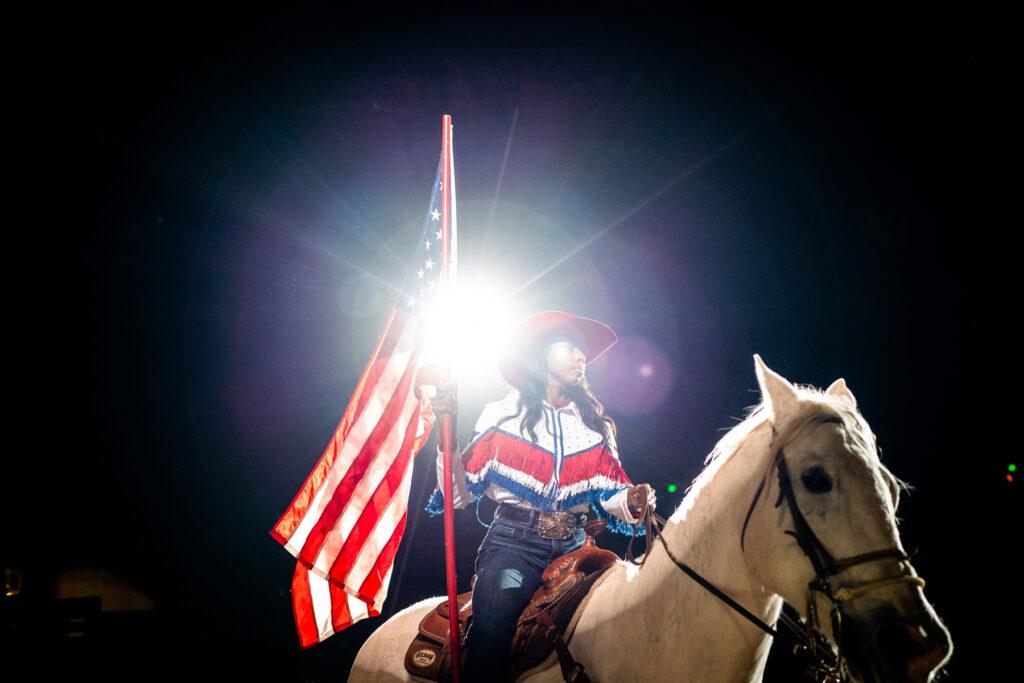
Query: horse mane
[[756, 424]]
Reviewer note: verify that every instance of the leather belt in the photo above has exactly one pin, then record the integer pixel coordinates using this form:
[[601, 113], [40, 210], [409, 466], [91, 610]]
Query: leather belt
[[550, 525]]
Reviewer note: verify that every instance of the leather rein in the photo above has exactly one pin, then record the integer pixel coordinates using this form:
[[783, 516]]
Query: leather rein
[[814, 646]]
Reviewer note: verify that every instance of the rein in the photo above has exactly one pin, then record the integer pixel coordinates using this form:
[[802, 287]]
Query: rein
[[814, 646]]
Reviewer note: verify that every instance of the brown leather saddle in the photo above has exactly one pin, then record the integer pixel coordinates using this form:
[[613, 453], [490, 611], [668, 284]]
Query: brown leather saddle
[[566, 584]]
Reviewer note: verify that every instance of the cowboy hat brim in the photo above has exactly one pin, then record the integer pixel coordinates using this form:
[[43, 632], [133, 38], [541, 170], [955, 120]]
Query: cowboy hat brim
[[593, 337]]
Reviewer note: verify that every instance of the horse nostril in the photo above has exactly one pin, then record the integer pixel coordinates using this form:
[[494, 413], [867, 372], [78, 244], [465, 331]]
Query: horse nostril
[[900, 643], [909, 648]]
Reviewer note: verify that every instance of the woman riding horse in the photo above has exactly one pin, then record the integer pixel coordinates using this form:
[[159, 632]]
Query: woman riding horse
[[543, 477]]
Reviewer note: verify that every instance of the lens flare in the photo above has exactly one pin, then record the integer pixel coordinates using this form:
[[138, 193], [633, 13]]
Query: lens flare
[[467, 328]]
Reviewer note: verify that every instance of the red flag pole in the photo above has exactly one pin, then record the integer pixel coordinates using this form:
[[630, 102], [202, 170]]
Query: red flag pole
[[447, 445]]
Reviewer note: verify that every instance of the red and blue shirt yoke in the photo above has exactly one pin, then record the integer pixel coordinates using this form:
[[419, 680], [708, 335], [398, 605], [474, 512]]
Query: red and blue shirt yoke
[[569, 467]]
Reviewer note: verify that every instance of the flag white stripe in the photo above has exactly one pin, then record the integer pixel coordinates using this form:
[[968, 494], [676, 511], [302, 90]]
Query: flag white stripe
[[320, 596], [357, 609], [317, 602], [390, 450], [378, 603], [382, 532], [380, 395]]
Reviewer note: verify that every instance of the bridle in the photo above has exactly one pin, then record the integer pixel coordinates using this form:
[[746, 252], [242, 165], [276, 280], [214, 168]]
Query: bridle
[[827, 668]]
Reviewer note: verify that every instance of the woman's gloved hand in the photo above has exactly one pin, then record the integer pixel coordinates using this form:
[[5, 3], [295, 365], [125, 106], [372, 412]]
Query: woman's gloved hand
[[638, 496], [446, 401]]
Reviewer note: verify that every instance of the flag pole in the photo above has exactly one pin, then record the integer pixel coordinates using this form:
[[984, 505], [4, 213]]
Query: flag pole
[[447, 445]]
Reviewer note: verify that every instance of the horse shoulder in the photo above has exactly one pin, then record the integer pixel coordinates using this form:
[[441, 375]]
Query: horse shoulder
[[596, 642], [606, 599]]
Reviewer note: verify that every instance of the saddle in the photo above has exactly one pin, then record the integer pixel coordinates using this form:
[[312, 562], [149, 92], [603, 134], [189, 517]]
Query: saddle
[[546, 623]]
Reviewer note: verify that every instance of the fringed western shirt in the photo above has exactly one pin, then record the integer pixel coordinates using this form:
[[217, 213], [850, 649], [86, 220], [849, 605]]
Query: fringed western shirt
[[570, 467]]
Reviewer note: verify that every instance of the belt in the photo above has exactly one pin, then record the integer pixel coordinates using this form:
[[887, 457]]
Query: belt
[[552, 525]]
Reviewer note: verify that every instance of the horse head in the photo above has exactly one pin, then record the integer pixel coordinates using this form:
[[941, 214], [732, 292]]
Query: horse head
[[822, 533]]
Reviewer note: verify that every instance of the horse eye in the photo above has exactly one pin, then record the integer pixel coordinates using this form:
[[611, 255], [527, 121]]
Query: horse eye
[[816, 480]]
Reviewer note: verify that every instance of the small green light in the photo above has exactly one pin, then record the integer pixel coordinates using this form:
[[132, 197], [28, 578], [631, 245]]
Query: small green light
[[671, 488], [1013, 468]]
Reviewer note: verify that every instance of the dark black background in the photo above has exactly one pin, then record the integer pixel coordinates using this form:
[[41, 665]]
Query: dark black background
[[196, 187]]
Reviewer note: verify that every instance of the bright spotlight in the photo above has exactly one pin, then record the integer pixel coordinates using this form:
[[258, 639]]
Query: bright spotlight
[[468, 328]]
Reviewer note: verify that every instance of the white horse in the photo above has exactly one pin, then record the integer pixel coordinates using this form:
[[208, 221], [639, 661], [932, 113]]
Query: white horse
[[658, 624]]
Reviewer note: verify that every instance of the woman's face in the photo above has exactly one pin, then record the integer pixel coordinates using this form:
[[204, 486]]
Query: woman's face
[[566, 362]]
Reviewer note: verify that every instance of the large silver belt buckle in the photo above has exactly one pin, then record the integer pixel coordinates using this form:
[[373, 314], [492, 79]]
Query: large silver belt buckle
[[556, 525]]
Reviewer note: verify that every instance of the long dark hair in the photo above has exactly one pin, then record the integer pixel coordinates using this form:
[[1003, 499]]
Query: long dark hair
[[534, 391]]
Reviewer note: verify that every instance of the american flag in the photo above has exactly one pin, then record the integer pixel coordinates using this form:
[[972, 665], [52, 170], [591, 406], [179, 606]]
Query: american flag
[[346, 522]]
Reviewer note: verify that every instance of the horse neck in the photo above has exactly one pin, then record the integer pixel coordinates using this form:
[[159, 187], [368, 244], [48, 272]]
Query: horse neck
[[707, 538]]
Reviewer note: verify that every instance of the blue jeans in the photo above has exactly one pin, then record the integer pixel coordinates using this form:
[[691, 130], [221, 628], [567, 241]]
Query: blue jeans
[[508, 568]]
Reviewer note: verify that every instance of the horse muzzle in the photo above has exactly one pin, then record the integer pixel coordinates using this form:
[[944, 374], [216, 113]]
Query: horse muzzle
[[885, 647]]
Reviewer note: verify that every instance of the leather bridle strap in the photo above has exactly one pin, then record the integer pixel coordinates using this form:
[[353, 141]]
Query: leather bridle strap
[[750, 510], [824, 564], [653, 522], [822, 561]]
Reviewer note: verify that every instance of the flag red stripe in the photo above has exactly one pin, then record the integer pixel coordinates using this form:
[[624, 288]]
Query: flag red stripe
[[375, 506], [370, 451], [302, 606], [351, 512], [372, 584], [340, 615], [292, 517], [396, 324]]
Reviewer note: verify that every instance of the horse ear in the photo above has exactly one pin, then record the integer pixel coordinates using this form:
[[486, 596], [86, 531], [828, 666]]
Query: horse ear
[[839, 390], [777, 394]]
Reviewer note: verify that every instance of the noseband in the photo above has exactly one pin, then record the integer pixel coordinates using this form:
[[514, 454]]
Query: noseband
[[825, 567]]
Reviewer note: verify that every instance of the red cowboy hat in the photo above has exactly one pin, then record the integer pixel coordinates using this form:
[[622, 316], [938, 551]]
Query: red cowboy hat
[[592, 337]]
